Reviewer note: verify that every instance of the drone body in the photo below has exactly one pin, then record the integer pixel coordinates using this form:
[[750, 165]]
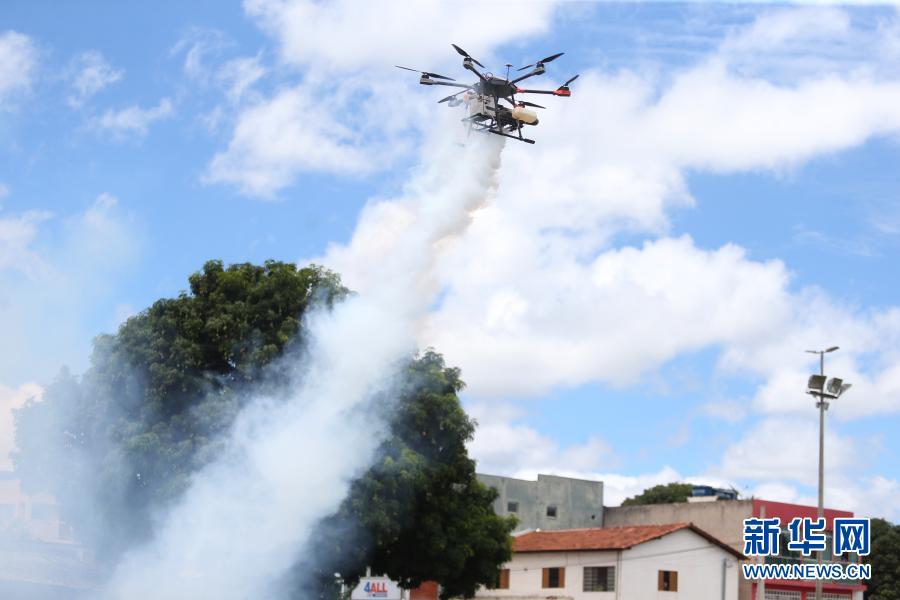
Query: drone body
[[482, 98]]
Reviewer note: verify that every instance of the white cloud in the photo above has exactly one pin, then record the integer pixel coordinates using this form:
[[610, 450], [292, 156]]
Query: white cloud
[[16, 236], [10, 400], [730, 411], [504, 446], [787, 450], [133, 121], [91, 72], [522, 320], [54, 274], [345, 35], [780, 454], [277, 138], [617, 487], [198, 44], [18, 61], [537, 296], [238, 76], [344, 116]]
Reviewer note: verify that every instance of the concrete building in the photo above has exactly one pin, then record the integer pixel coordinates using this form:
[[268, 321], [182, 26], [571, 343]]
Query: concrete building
[[550, 502], [649, 562], [32, 516], [724, 519], [38, 557]]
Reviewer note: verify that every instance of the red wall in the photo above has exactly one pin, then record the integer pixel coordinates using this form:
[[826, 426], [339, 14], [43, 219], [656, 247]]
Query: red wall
[[426, 591], [786, 512]]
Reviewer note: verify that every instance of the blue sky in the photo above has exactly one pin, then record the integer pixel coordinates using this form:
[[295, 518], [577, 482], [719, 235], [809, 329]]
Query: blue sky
[[719, 194]]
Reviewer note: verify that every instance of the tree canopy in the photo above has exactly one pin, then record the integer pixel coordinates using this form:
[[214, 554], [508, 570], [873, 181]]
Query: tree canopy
[[661, 494], [158, 395], [421, 510], [885, 560]]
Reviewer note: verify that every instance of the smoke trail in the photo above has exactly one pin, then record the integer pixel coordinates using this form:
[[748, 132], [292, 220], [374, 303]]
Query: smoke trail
[[247, 516]]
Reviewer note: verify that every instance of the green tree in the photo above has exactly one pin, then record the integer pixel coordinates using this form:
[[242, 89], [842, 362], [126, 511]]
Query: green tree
[[419, 513], [662, 494], [158, 395], [885, 561]]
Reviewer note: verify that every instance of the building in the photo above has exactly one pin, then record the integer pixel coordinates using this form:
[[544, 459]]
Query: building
[[724, 519], [34, 516], [38, 557], [550, 502], [645, 562], [547, 503]]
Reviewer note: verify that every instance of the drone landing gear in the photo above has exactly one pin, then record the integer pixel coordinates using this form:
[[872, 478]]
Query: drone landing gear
[[515, 137]]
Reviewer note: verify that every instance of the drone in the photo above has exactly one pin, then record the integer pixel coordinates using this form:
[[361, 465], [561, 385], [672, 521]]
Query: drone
[[482, 98]]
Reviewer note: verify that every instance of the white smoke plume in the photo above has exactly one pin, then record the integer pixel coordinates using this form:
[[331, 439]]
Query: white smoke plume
[[248, 516]]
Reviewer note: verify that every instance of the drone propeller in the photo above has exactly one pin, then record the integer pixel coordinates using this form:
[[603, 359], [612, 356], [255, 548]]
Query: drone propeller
[[566, 84], [523, 103], [435, 75], [451, 96], [542, 61], [466, 55]]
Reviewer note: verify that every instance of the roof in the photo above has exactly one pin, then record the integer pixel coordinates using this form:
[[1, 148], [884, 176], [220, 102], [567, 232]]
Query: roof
[[605, 538]]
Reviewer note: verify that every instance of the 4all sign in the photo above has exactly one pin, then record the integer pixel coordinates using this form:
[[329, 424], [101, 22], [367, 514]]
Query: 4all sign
[[376, 588]]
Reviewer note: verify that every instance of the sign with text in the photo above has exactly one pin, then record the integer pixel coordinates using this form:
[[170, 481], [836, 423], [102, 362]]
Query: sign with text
[[376, 588]]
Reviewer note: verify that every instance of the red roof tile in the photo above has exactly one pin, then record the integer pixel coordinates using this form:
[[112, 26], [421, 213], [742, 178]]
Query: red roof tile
[[605, 538]]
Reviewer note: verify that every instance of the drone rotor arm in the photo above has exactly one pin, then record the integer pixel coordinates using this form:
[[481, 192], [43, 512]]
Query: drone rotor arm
[[459, 85], [543, 61], [526, 76], [521, 91], [429, 74]]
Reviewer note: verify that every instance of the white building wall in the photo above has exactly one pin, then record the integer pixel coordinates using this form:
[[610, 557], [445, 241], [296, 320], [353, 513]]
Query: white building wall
[[697, 561]]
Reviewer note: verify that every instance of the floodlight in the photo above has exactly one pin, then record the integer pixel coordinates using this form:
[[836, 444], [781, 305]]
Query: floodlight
[[816, 383], [836, 387]]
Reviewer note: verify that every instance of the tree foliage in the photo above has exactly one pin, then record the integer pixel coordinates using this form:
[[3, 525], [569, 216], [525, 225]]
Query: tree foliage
[[885, 560], [420, 514], [662, 494], [158, 395]]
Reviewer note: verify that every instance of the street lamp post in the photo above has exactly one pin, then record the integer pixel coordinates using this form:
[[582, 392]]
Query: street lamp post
[[823, 392]]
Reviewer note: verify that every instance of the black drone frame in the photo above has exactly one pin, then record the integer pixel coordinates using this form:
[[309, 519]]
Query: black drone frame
[[501, 122]]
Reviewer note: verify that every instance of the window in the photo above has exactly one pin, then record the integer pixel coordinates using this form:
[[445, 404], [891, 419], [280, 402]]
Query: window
[[43, 512], [551, 511], [502, 580], [554, 577], [66, 531], [668, 581], [782, 595], [512, 507], [599, 579]]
